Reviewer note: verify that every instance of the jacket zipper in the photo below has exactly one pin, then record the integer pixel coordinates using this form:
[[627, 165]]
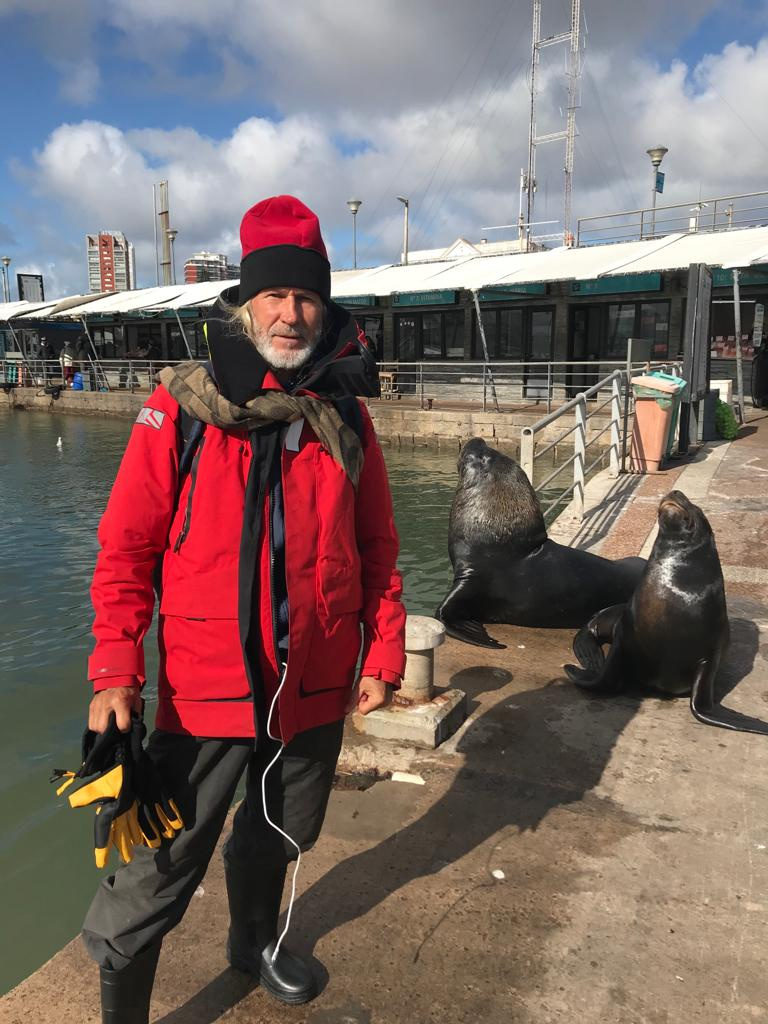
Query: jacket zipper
[[188, 510], [272, 588]]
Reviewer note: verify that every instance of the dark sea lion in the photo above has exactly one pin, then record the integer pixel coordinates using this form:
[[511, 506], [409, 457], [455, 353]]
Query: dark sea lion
[[672, 635], [504, 567]]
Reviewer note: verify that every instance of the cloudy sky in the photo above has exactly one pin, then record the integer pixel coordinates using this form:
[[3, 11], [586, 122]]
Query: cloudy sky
[[332, 99]]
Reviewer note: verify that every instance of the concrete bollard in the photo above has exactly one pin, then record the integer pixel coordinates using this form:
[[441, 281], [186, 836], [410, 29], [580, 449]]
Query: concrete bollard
[[422, 635], [418, 715]]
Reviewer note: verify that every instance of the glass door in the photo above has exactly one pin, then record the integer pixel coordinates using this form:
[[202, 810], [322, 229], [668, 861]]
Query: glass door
[[584, 347]]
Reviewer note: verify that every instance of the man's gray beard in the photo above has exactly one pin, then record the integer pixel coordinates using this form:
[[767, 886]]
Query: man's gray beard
[[281, 360]]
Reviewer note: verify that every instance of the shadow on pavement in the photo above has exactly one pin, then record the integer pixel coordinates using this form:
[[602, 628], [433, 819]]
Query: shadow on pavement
[[530, 753]]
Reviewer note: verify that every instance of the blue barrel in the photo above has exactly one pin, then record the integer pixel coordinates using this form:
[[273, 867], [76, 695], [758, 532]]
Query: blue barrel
[[77, 382]]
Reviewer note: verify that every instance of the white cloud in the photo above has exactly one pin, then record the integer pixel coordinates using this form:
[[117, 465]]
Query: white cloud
[[380, 103]]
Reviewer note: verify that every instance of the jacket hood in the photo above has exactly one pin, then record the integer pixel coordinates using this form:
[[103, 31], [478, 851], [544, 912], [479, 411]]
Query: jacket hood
[[343, 363]]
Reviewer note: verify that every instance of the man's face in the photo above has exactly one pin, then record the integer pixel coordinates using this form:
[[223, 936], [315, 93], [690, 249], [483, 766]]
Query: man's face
[[287, 323]]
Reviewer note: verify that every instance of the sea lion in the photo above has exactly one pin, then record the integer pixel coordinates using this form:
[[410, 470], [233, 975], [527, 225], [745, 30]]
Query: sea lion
[[672, 635], [505, 569]]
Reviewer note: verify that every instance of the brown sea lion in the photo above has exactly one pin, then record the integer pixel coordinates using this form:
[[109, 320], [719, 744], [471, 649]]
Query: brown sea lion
[[672, 635], [505, 569]]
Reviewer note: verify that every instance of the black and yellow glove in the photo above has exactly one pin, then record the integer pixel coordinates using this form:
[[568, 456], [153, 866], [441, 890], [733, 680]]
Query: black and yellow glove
[[131, 809]]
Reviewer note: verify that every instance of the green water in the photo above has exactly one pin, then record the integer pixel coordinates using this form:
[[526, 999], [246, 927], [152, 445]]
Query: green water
[[51, 499]]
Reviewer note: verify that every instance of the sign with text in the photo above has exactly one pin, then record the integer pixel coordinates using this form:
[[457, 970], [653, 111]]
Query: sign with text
[[659, 181], [30, 287], [432, 298], [757, 328], [617, 284]]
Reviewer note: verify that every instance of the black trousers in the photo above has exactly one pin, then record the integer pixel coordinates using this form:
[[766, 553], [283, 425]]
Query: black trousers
[[142, 901]]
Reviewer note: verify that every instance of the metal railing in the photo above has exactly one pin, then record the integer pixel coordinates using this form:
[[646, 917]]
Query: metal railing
[[498, 386], [749, 209], [95, 375], [494, 386], [617, 385], [581, 470]]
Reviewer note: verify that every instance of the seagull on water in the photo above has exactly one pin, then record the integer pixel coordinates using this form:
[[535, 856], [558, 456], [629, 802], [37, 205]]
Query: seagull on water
[[59, 445]]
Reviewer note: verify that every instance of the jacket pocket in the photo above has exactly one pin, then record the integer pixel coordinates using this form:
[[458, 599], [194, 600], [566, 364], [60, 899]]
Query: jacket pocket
[[340, 591], [333, 654], [202, 659]]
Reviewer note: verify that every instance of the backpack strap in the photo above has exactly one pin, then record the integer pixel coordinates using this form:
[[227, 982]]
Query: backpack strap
[[191, 431], [348, 408]]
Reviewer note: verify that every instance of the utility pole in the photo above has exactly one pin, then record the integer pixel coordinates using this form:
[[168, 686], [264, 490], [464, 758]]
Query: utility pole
[[165, 224], [737, 328], [568, 134]]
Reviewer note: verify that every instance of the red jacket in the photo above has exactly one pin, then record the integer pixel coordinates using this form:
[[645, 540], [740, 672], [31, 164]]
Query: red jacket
[[340, 553]]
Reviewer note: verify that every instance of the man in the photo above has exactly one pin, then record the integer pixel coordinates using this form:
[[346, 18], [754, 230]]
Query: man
[[277, 545]]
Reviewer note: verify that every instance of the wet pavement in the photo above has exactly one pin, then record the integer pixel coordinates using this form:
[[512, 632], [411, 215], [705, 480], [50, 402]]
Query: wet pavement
[[562, 858]]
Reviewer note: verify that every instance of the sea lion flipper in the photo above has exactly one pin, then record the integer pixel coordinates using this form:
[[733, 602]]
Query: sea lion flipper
[[472, 632], [588, 647], [706, 709], [455, 613], [599, 673]]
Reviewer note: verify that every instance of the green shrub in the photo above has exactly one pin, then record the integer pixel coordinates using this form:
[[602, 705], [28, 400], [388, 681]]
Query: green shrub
[[725, 422]]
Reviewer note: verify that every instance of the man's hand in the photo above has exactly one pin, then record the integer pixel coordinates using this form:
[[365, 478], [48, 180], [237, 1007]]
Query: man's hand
[[120, 699], [368, 694]]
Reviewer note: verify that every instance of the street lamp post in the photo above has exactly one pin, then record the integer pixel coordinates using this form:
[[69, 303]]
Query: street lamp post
[[354, 205], [172, 232], [6, 279], [657, 154], [404, 201]]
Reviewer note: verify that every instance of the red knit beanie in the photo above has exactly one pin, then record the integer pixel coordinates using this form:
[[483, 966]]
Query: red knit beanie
[[282, 248]]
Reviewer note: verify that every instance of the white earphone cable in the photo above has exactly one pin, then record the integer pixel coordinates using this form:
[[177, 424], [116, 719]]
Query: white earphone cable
[[272, 823]]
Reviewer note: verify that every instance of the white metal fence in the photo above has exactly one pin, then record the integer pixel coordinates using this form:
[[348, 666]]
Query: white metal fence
[[612, 397]]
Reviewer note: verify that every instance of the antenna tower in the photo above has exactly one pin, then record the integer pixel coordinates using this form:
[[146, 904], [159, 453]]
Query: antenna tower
[[528, 177]]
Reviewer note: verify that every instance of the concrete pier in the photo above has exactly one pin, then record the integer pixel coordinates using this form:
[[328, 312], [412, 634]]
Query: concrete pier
[[561, 858]]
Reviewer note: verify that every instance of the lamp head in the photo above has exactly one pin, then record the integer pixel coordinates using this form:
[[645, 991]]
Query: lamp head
[[6, 261], [402, 200], [354, 205], [657, 154], [172, 232]]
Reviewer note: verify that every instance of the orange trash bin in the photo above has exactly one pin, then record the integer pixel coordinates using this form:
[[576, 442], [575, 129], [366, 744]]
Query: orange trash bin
[[654, 404]]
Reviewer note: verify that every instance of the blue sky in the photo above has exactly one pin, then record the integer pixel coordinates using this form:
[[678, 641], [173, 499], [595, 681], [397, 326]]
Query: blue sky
[[331, 98]]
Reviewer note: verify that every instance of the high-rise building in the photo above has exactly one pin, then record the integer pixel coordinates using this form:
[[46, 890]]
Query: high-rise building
[[111, 262], [209, 266]]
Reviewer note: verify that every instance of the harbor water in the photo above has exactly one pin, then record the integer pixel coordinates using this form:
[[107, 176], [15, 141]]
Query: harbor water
[[55, 475]]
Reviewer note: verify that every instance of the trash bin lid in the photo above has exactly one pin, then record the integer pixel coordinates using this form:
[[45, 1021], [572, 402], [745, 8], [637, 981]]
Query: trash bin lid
[[671, 386]]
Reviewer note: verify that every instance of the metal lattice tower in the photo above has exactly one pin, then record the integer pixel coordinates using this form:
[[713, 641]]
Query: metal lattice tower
[[528, 177]]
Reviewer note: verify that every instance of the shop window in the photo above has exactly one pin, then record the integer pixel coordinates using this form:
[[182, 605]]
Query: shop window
[[454, 334], [406, 338], [516, 335], [373, 329], [433, 335], [542, 321], [510, 335], [621, 327], [430, 336], [653, 325]]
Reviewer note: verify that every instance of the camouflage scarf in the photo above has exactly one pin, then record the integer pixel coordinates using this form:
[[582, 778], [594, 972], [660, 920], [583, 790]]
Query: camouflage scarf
[[196, 392]]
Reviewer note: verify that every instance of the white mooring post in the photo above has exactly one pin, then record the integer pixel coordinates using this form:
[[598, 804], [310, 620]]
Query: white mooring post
[[615, 456], [422, 635], [418, 714]]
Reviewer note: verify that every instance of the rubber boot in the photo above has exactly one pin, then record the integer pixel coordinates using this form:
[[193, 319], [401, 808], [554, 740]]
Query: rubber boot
[[125, 994], [254, 893]]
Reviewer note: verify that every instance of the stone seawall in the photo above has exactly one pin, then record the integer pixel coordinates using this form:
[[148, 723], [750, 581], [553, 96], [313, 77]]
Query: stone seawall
[[397, 423]]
